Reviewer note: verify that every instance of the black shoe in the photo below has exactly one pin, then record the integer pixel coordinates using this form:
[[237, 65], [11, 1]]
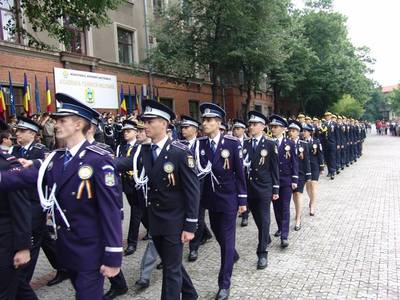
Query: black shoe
[[342, 168], [328, 175], [262, 262], [60, 277], [223, 294], [236, 257], [159, 266], [277, 233], [245, 222], [193, 255], [114, 293], [332, 176], [284, 243], [146, 237], [142, 284], [347, 165], [129, 250], [297, 227], [312, 214], [206, 236], [337, 172]]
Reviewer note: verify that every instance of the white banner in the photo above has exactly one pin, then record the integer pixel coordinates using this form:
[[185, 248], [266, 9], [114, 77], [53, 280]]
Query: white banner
[[93, 89]]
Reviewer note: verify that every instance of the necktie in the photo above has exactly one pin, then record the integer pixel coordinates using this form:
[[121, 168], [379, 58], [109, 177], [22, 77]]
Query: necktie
[[213, 146], [154, 152], [254, 144], [67, 158], [23, 152]]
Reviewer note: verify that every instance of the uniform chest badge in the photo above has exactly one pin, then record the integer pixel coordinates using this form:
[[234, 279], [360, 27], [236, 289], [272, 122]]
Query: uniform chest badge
[[287, 151], [190, 161], [301, 149], [264, 152], [287, 148], [244, 151], [315, 146], [109, 179], [301, 153], [225, 155], [169, 167], [203, 152], [85, 172]]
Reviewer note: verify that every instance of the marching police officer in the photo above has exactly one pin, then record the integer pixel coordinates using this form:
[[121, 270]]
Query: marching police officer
[[238, 131], [303, 157], [330, 143], [190, 128], [15, 234], [288, 177], [261, 161], [172, 196], [220, 161], [316, 163], [81, 178]]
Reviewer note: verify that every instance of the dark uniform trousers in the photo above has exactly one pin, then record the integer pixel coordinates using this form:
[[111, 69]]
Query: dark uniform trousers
[[262, 182], [87, 284], [201, 231], [288, 174], [135, 219]]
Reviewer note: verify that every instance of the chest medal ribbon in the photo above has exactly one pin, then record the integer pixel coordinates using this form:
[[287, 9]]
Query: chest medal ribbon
[[85, 173]]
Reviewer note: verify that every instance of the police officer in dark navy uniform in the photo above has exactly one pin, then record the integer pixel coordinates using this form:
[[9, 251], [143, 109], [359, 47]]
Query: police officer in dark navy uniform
[[118, 282], [331, 144], [303, 157], [238, 131], [82, 179], [220, 162], [28, 148], [172, 196], [261, 160], [15, 234], [317, 165], [190, 128], [288, 177]]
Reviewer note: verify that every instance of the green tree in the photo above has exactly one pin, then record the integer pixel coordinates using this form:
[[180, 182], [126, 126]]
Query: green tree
[[51, 15], [394, 100], [348, 106], [374, 104]]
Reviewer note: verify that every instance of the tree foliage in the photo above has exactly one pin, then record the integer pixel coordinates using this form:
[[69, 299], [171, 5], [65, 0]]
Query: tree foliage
[[348, 106], [394, 100]]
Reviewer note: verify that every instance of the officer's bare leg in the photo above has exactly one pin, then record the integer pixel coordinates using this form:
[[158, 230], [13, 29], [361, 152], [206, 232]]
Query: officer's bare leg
[[298, 204]]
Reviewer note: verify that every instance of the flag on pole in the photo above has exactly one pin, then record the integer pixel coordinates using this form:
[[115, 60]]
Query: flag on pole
[[37, 96], [130, 104], [137, 101], [2, 104], [26, 97], [144, 92], [12, 98], [48, 97], [123, 103]]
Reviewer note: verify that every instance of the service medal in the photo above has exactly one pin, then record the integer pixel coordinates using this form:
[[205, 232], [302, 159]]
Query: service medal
[[301, 149], [287, 148], [315, 146], [85, 172], [264, 152], [169, 167], [225, 153]]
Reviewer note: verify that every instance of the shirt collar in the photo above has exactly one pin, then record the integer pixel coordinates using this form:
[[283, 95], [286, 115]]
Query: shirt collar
[[161, 143], [132, 143], [74, 150], [191, 142], [216, 139], [258, 138], [27, 146]]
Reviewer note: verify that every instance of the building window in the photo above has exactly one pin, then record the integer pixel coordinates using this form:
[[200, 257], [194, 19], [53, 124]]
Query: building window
[[6, 19], [125, 46], [194, 109], [157, 6], [258, 108], [77, 43], [168, 102]]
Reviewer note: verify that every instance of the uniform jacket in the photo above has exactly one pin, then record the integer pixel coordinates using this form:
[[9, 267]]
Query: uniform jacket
[[95, 234], [303, 156], [173, 191], [288, 163], [263, 173], [230, 191], [316, 155]]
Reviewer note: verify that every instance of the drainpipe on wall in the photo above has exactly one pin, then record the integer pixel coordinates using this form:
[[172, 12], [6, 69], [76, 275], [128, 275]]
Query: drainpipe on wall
[[146, 33]]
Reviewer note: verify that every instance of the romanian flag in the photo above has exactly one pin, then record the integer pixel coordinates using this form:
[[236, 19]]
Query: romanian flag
[[130, 103], [137, 101], [123, 102], [2, 104], [26, 100], [48, 97]]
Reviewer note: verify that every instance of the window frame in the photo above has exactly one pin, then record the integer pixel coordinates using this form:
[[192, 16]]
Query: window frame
[[135, 50]]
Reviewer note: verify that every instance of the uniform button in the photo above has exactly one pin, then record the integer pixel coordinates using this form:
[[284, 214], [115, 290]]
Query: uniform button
[[156, 190], [280, 163], [58, 227], [149, 203], [164, 179], [68, 229], [73, 193], [157, 204], [64, 210], [251, 178], [256, 170], [256, 178]]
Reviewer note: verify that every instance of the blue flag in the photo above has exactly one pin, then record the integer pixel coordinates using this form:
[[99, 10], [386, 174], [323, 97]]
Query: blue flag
[[130, 104], [12, 97], [37, 96]]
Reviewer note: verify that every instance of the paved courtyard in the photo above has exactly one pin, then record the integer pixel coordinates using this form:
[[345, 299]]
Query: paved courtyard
[[350, 249]]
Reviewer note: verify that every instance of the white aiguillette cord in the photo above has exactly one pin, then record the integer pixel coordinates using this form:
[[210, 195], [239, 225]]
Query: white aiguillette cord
[[48, 202], [203, 172], [141, 181]]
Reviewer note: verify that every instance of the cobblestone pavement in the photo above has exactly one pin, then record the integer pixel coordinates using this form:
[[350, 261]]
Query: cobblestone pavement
[[349, 250]]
